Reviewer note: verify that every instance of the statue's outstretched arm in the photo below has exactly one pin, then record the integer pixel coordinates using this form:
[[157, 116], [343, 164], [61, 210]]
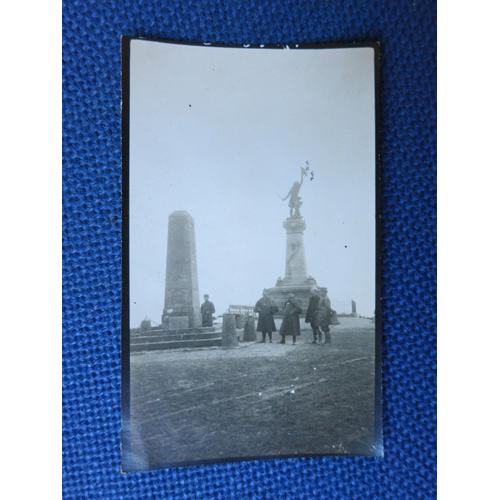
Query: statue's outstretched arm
[[303, 174]]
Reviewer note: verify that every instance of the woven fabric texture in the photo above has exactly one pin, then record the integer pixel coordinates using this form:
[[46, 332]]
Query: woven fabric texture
[[92, 244]]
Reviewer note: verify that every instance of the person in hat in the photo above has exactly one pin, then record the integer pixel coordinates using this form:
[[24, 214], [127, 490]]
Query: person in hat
[[207, 311], [291, 322], [312, 315], [266, 308]]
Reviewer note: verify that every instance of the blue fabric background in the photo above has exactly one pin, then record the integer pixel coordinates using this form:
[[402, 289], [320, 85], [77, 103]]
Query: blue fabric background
[[92, 230]]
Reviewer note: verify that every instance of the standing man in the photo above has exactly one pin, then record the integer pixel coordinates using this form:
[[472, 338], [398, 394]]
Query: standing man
[[291, 321], [313, 315], [266, 309], [207, 311]]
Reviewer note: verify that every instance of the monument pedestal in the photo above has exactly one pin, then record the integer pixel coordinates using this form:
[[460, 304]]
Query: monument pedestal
[[176, 322], [296, 280], [280, 292]]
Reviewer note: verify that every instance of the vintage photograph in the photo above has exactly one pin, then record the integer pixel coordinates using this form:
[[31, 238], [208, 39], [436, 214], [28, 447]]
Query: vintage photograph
[[250, 291]]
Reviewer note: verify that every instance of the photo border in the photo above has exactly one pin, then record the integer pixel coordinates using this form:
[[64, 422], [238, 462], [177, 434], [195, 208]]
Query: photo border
[[125, 295]]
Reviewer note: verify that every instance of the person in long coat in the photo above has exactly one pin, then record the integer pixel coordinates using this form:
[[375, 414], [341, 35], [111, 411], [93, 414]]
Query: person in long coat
[[207, 311], [291, 322], [312, 315], [266, 309], [325, 316]]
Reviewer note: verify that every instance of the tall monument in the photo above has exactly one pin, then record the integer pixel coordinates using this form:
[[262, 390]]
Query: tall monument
[[296, 279], [182, 299]]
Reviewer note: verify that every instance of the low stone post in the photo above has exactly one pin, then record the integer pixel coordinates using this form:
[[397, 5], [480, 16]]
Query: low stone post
[[229, 338], [249, 334], [240, 320]]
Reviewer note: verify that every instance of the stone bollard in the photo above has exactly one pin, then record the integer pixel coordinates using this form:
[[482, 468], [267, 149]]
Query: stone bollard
[[249, 334], [240, 320], [229, 338]]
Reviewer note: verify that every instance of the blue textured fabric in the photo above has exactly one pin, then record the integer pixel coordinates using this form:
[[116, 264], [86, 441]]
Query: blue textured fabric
[[92, 244]]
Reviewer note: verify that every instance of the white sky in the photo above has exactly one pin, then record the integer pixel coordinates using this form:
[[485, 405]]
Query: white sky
[[221, 133]]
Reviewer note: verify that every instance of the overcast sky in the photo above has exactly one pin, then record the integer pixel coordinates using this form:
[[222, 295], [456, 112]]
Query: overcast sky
[[222, 133]]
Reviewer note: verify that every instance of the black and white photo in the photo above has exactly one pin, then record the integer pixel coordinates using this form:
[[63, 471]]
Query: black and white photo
[[251, 320]]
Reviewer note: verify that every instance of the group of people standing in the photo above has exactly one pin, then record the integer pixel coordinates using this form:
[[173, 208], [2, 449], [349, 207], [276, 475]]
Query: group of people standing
[[319, 315]]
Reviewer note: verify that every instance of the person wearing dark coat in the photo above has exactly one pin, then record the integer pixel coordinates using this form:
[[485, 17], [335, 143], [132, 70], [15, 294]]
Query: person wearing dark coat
[[312, 316], [326, 316], [207, 311], [266, 309], [291, 322]]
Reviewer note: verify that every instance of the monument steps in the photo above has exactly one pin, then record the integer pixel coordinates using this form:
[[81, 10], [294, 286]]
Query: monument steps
[[166, 337], [175, 344], [162, 331]]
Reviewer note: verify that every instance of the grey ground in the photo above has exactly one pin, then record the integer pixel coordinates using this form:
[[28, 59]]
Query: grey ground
[[255, 400]]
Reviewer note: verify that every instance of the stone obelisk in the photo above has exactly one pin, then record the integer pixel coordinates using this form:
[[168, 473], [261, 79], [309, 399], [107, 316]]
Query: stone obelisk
[[182, 299]]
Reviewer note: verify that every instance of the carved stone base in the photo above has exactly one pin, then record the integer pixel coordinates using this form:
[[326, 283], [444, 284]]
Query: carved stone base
[[279, 294], [176, 322]]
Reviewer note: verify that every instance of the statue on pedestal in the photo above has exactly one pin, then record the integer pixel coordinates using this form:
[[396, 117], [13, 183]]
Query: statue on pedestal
[[296, 280]]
